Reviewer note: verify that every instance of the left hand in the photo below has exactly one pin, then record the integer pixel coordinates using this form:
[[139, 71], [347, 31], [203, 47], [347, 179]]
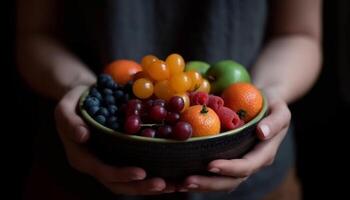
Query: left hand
[[231, 173]]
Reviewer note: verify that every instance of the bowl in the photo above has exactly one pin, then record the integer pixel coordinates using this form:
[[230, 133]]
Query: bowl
[[170, 159]]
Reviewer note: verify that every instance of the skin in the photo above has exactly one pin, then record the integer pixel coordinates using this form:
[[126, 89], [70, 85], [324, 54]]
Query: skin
[[286, 69]]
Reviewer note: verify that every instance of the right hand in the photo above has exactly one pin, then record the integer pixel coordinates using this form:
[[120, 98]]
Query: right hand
[[74, 132]]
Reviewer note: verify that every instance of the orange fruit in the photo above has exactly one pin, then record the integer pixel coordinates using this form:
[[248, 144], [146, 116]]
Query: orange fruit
[[204, 120], [243, 98], [122, 70]]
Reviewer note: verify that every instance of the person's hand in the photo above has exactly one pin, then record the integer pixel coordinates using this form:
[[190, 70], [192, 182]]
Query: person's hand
[[231, 173], [74, 132]]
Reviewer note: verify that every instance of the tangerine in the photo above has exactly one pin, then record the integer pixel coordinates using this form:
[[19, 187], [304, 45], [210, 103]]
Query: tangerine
[[244, 98], [122, 71], [204, 120]]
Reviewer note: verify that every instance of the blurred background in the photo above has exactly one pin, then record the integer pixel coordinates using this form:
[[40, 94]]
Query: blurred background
[[320, 118]]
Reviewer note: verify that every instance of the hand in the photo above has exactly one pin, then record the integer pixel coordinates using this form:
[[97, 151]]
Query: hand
[[73, 132], [231, 173]]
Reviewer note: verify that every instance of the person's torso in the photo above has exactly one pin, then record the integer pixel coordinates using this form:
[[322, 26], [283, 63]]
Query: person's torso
[[206, 30]]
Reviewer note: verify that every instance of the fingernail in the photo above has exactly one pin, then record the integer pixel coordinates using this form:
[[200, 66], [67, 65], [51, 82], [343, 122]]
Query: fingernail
[[214, 170], [265, 130], [192, 186], [137, 177]]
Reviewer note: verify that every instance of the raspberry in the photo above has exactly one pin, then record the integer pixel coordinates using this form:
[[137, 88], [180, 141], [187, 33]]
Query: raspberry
[[228, 118], [199, 98], [215, 102]]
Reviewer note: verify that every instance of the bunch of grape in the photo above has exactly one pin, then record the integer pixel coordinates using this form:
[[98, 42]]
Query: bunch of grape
[[105, 99], [165, 79], [156, 118]]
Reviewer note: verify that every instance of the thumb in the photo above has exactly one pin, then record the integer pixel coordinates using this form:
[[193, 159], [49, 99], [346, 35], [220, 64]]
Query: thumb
[[68, 122], [278, 119]]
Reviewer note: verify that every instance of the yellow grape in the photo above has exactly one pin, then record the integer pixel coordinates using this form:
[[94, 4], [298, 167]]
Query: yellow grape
[[142, 88], [180, 82], [176, 64], [163, 90]]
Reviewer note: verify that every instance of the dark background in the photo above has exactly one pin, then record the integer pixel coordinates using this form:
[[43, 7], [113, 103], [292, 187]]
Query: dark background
[[320, 118]]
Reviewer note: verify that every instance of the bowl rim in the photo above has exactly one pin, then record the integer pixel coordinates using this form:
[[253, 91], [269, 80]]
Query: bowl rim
[[118, 134]]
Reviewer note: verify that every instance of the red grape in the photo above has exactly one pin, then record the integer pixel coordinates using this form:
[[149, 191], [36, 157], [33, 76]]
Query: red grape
[[176, 104], [132, 124], [159, 102], [158, 113], [172, 117], [148, 132], [182, 131], [164, 131]]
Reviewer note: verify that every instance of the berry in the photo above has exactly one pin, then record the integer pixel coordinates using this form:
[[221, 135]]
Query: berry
[[92, 110], [182, 131], [109, 100], [159, 102], [107, 92], [199, 98], [180, 82], [112, 109], [110, 84], [172, 117], [164, 131], [143, 88], [100, 119], [228, 118], [158, 70], [95, 93], [148, 132], [103, 111], [148, 105], [175, 63], [158, 113], [118, 94], [103, 79], [112, 123], [91, 101], [215, 102], [132, 124], [134, 104], [176, 104]]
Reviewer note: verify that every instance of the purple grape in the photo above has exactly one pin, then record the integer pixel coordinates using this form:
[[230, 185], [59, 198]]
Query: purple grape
[[132, 112], [148, 132], [148, 105], [133, 107], [134, 104], [182, 131], [172, 117], [158, 113], [159, 102], [132, 124], [164, 131], [176, 104]]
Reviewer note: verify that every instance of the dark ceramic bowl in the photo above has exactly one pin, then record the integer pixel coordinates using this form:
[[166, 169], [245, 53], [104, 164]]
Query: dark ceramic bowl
[[167, 158]]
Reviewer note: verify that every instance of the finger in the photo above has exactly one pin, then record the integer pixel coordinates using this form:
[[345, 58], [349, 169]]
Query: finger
[[207, 184], [262, 155], [82, 160], [145, 187], [277, 120], [68, 121]]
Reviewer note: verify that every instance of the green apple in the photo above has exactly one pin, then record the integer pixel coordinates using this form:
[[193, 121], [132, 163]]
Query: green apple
[[198, 66], [224, 73]]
